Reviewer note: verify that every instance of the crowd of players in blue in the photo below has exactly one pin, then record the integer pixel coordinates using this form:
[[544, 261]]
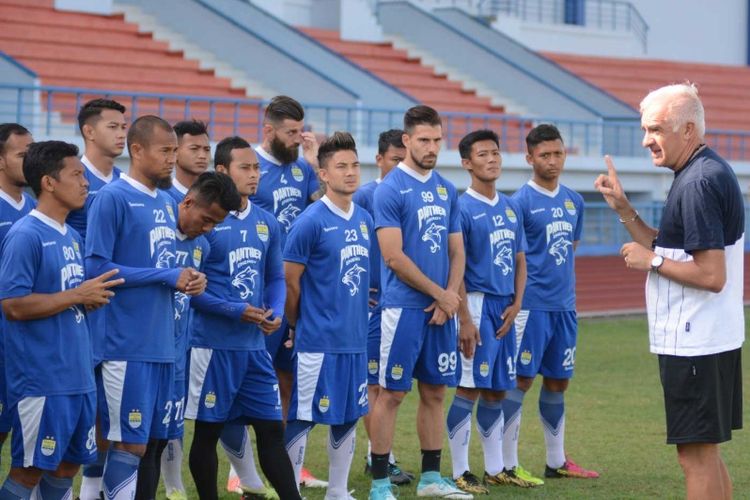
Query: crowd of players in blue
[[249, 296]]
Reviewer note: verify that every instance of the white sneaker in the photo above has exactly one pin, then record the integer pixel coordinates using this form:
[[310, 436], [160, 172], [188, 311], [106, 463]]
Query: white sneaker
[[432, 485]]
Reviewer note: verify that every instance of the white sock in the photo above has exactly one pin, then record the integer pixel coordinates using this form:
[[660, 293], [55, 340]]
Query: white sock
[[90, 487], [490, 427], [243, 464], [171, 466], [552, 415], [512, 407], [554, 439], [458, 422], [296, 451], [392, 458], [340, 455]]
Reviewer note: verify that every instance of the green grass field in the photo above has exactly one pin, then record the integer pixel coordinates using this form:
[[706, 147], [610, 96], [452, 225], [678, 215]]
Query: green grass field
[[614, 424]]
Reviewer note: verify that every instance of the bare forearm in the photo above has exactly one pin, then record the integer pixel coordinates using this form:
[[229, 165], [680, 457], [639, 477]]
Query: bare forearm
[[639, 231], [409, 273], [39, 305], [464, 315], [692, 275], [291, 307], [519, 283], [456, 273]]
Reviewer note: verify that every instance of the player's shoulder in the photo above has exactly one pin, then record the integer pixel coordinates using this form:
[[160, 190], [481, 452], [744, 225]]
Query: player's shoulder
[[260, 214], [571, 194], [361, 212], [442, 181]]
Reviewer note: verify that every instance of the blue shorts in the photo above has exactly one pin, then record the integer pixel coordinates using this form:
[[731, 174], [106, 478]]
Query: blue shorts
[[177, 420], [6, 418], [494, 363], [48, 430], [547, 343], [329, 388], [410, 348], [280, 354], [135, 400], [231, 386], [373, 346]]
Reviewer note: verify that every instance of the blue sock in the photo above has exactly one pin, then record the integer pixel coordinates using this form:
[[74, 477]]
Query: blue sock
[[458, 422], [458, 414], [512, 405], [120, 474], [490, 424], [294, 429], [233, 438], [12, 490], [96, 469], [488, 415], [55, 488], [552, 415]]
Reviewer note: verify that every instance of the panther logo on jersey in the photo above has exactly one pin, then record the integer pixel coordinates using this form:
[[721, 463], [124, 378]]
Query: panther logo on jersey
[[78, 313], [352, 278], [287, 215], [432, 235], [504, 259], [245, 281], [180, 305], [559, 250], [164, 258]]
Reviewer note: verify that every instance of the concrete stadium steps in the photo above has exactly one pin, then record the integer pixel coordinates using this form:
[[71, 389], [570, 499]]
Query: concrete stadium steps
[[604, 286], [408, 74], [723, 89], [73, 49]]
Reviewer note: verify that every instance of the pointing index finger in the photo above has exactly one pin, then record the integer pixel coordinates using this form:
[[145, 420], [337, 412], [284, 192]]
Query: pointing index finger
[[610, 167]]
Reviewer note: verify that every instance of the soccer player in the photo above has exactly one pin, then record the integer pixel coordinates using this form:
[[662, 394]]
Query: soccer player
[[327, 313], [14, 204], [288, 183], [231, 373], [103, 128], [491, 298], [546, 327], [695, 266], [132, 227], [207, 202], [51, 389], [391, 152], [193, 155], [419, 232]]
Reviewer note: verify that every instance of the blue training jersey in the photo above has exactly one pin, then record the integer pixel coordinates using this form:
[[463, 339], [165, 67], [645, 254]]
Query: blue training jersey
[[244, 263], [190, 253], [284, 190], [47, 356], [132, 228], [426, 210], [364, 198], [493, 235], [77, 219], [177, 192], [334, 247], [553, 222]]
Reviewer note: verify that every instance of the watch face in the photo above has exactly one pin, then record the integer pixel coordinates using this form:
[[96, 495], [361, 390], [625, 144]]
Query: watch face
[[657, 261]]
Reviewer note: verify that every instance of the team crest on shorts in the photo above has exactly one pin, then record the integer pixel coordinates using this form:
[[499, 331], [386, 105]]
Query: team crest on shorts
[[570, 207], [197, 256], [397, 372], [262, 229], [48, 446], [484, 369], [363, 230], [297, 174], [442, 193], [511, 215], [324, 404], [372, 366], [210, 400], [170, 211], [135, 419], [525, 357]]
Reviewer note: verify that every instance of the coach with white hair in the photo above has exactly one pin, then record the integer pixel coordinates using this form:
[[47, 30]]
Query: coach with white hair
[[694, 284]]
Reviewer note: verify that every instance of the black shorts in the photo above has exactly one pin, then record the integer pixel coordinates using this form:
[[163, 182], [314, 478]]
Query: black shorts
[[702, 396]]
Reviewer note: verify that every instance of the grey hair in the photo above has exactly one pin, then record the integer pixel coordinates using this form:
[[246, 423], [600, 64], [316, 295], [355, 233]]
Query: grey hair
[[682, 103]]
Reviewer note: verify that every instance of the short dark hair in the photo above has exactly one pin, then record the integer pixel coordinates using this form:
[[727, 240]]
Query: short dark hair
[[339, 141], [46, 158], [542, 133], [223, 154], [420, 115], [215, 187], [284, 107], [190, 127], [142, 129], [464, 147], [8, 129], [94, 108], [392, 137]]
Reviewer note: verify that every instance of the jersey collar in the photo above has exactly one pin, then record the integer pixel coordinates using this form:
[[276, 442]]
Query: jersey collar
[[416, 175], [153, 193], [18, 205], [546, 192], [178, 186], [60, 228], [96, 172], [266, 155], [180, 235], [336, 210], [478, 196], [243, 214]]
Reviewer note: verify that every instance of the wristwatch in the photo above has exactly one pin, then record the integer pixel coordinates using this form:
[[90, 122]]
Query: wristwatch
[[656, 263]]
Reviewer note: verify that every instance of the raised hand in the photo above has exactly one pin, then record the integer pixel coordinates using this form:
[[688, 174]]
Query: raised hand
[[310, 148], [610, 187]]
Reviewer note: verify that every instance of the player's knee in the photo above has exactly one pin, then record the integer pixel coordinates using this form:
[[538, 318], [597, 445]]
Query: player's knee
[[66, 470], [467, 393], [493, 396], [524, 383], [135, 449], [431, 395], [26, 476], [268, 432], [555, 385], [391, 399], [697, 456]]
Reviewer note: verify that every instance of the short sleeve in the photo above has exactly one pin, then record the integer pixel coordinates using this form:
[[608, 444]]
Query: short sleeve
[[701, 213], [300, 240], [387, 207], [274, 262], [579, 223], [521, 244], [465, 223], [21, 259], [454, 222], [103, 225]]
